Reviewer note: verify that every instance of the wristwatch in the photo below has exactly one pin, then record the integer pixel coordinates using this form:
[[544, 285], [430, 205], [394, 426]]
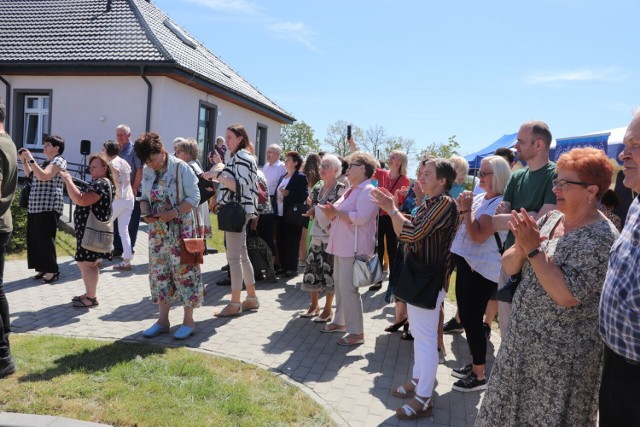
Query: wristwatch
[[393, 212], [534, 252], [31, 161]]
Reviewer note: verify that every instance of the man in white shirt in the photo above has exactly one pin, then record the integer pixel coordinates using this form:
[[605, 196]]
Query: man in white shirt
[[273, 170]]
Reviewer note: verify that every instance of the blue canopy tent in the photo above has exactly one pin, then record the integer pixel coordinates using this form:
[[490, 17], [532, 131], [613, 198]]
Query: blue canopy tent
[[610, 141], [474, 159]]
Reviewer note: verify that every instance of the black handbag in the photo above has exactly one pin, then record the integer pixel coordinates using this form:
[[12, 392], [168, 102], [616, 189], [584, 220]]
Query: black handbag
[[231, 215], [505, 294], [420, 284], [293, 214], [24, 193], [205, 186]]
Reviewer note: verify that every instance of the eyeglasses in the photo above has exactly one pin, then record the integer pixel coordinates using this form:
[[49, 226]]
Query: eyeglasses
[[95, 167], [47, 143], [561, 183], [325, 166], [354, 164], [175, 153], [483, 174]]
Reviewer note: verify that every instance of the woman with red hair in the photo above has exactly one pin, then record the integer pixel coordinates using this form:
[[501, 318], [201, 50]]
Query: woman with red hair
[[547, 371]]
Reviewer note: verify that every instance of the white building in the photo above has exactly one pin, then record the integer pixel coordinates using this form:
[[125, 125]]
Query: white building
[[79, 68]]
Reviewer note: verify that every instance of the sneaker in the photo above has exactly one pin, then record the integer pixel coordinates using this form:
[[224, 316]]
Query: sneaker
[[452, 327], [462, 372], [487, 330], [470, 383], [7, 367], [441, 354]]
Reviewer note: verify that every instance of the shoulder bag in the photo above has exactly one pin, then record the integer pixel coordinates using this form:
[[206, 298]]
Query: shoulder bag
[[231, 215], [293, 214], [419, 284], [366, 269], [24, 193], [205, 186], [191, 248], [98, 235], [505, 294]]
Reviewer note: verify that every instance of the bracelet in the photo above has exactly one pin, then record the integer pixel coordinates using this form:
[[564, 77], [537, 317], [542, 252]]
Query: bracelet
[[464, 211]]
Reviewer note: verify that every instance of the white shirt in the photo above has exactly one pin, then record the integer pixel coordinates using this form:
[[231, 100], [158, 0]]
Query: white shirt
[[280, 197], [122, 178], [482, 257], [273, 174]]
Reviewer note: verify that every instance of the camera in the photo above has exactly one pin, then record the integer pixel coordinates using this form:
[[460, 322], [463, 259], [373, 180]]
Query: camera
[[21, 150]]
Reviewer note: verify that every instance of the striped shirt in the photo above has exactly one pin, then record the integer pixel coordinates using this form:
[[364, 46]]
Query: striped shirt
[[244, 169], [430, 233]]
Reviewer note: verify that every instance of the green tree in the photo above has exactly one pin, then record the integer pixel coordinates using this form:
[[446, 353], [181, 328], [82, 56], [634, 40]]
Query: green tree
[[375, 140], [298, 137], [336, 137], [439, 149], [408, 145]]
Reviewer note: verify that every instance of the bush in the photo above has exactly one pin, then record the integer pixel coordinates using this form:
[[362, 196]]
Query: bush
[[18, 241]]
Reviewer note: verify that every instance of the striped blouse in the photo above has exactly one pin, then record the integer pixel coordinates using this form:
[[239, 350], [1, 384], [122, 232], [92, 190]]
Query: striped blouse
[[430, 233], [243, 167]]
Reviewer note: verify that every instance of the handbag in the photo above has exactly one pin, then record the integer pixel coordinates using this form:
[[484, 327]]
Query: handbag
[[231, 215], [24, 193], [293, 214], [191, 248], [98, 235], [366, 269], [420, 284], [263, 193], [505, 294], [205, 186]]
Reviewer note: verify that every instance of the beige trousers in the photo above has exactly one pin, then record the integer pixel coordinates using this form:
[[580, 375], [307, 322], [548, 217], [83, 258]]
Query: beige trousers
[[348, 300], [240, 267]]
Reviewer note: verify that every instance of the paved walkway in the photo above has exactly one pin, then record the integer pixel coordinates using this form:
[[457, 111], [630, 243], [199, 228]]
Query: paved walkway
[[353, 383]]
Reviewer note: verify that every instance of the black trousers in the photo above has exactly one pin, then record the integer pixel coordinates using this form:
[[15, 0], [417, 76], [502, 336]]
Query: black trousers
[[41, 241], [385, 231], [473, 291], [265, 231], [5, 320], [619, 391], [288, 244]]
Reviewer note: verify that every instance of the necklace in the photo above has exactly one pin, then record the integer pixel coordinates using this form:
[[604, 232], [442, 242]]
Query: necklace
[[326, 193]]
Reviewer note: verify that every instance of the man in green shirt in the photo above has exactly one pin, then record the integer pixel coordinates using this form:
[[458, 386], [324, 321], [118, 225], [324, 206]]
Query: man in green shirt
[[8, 182], [529, 188]]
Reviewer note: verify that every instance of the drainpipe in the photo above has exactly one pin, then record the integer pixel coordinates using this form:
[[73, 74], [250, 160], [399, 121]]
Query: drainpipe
[[149, 93], [7, 104]]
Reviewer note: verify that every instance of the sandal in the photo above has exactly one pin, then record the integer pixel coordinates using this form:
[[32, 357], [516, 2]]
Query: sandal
[[82, 302], [78, 298], [250, 303], [396, 326], [404, 391], [39, 276], [312, 312], [351, 339], [332, 327], [225, 312], [123, 266], [407, 412]]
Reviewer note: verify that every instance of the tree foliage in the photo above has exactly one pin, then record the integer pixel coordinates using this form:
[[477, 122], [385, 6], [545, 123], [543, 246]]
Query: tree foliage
[[336, 137], [439, 149], [408, 145], [299, 137]]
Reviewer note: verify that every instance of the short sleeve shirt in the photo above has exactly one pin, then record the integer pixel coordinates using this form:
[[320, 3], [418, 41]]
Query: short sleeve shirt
[[47, 196], [530, 190], [129, 155]]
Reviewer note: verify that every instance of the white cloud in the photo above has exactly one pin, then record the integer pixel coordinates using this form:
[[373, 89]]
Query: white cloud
[[609, 74], [296, 31], [243, 6]]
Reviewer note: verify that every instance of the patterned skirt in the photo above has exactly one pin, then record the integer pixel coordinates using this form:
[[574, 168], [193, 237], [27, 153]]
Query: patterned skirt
[[318, 273]]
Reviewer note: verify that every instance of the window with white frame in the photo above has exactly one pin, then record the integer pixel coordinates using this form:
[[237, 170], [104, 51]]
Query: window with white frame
[[36, 120]]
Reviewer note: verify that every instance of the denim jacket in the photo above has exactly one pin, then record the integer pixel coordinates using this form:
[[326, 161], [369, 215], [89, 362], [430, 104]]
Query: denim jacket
[[188, 182]]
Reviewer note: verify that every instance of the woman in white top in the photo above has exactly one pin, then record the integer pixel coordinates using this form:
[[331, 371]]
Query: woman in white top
[[122, 205], [187, 151], [477, 253]]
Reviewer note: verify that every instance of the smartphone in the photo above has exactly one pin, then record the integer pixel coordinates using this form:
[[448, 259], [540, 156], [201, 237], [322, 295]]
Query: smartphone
[[349, 133], [145, 208]]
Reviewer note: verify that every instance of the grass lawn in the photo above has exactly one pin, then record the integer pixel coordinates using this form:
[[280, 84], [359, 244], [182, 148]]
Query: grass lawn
[[217, 241], [65, 246], [136, 384]]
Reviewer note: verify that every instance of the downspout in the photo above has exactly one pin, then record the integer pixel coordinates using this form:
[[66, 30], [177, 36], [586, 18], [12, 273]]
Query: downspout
[[7, 104], [149, 93]]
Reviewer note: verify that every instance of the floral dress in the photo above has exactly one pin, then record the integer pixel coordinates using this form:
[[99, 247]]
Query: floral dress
[[168, 278], [547, 372], [101, 209], [318, 272]]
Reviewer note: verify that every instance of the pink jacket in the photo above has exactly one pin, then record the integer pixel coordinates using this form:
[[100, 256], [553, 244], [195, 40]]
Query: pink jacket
[[362, 211]]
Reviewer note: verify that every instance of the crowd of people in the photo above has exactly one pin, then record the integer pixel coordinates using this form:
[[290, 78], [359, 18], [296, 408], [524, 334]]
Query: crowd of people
[[539, 244]]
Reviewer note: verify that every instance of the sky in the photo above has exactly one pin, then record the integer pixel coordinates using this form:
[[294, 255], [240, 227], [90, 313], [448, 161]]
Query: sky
[[430, 69]]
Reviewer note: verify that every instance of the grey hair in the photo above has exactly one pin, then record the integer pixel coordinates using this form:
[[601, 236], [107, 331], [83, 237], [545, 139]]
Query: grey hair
[[125, 127], [276, 147], [334, 162]]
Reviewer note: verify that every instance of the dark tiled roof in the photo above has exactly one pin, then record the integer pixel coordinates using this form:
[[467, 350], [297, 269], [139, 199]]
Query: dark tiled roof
[[67, 32]]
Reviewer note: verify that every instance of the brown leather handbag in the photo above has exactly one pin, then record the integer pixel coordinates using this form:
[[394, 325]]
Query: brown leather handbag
[[191, 248]]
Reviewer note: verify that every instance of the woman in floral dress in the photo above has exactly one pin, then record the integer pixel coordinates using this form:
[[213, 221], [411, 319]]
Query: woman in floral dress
[[169, 215], [318, 272], [547, 372]]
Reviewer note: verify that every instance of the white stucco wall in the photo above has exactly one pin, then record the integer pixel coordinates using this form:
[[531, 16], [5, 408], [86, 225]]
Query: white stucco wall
[[92, 107]]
